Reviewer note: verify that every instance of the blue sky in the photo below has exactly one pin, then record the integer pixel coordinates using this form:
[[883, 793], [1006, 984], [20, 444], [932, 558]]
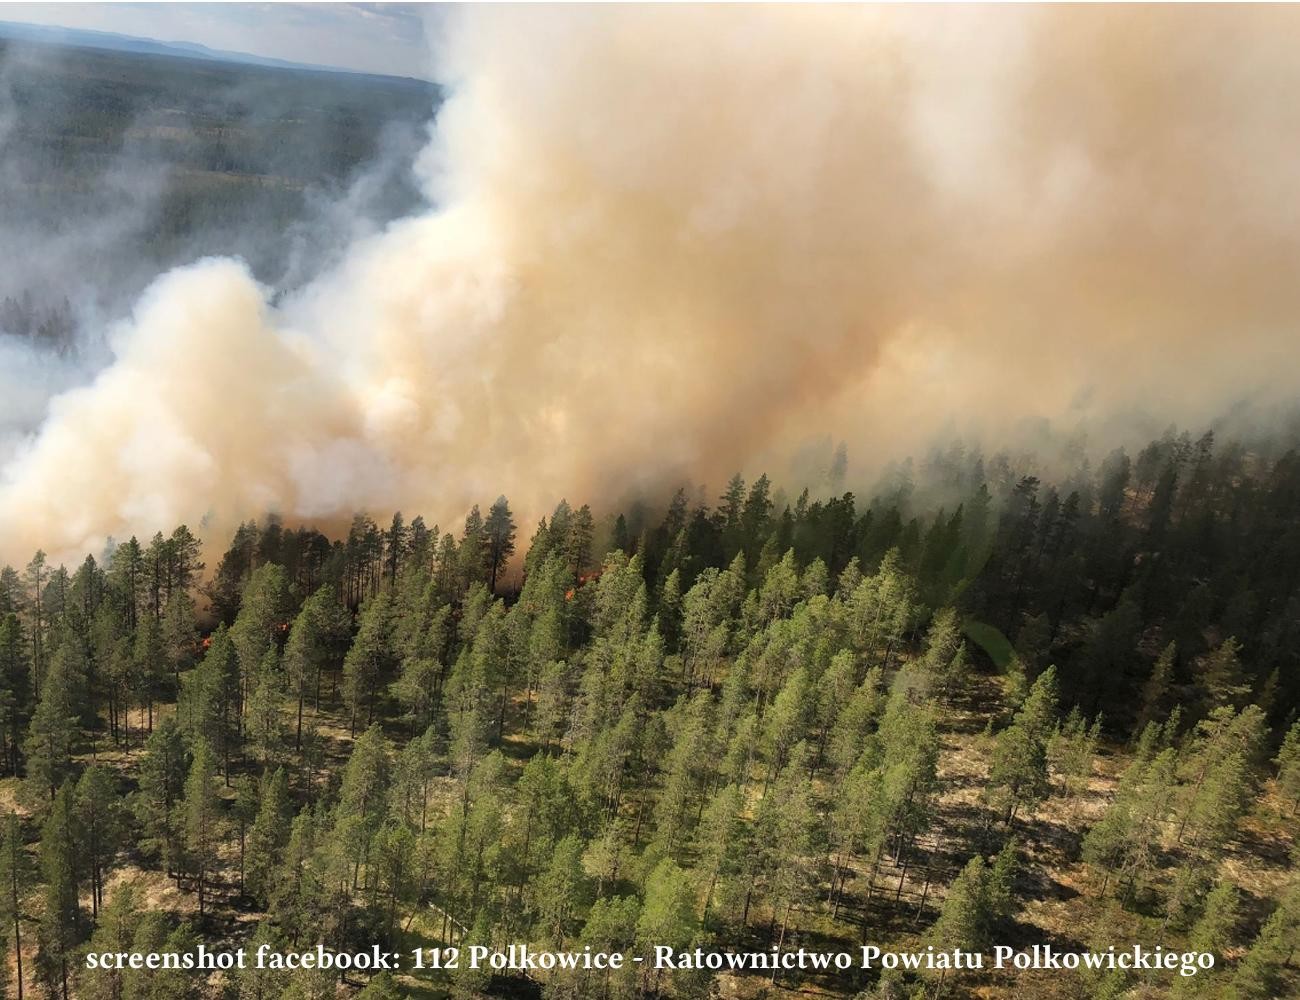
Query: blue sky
[[374, 37]]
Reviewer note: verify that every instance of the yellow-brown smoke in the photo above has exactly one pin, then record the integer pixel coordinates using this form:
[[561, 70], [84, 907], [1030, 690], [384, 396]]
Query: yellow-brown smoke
[[674, 242]]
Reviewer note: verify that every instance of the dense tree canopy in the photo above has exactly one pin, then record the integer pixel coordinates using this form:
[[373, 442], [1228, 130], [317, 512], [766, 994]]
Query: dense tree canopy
[[756, 724]]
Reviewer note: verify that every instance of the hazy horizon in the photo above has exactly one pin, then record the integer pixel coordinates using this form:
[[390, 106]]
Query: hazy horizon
[[386, 39]]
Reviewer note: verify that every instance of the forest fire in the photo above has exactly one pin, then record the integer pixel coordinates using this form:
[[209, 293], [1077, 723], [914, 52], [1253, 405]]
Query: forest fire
[[1038, 684], [584, 578], [766, 311]]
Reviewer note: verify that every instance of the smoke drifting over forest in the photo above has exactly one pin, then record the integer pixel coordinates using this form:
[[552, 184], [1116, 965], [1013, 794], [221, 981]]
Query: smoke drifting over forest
[[673, 243]]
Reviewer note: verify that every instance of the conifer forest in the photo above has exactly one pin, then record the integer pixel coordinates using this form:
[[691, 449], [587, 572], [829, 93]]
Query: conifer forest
[[1039, 711], [635, 502]]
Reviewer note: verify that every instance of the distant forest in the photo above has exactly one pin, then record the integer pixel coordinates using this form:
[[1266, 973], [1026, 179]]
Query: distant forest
[[1031, 712], [115, 166]]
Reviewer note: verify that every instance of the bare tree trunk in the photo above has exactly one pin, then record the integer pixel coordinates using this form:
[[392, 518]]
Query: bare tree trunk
[[925, 892], [18, 934], [785, 922]]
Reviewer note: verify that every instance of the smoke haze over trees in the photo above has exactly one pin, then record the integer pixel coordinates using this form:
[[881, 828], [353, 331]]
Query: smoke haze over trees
[[115, 167], [380, 574]]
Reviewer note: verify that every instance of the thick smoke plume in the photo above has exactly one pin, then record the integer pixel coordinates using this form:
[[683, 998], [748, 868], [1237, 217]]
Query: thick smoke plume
[[674, 242]]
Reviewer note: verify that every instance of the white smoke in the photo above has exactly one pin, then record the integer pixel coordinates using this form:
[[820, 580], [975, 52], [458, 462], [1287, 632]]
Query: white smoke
[[677, 241]]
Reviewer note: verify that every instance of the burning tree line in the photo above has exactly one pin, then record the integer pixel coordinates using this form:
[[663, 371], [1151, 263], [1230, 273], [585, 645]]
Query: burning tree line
[[723, 725]]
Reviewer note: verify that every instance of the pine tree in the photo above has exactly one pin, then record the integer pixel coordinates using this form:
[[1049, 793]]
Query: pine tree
[[578, 541], [179, 635], [471, 553], [1225, 748], [686, 774], [786, 720], [148, 662], [163, 769], [965, 918], [499, 532], [553, 702], [265, 723], [857, 717], [154, 934], [611, 927], [243, 811], [416, 688], [1186, 895], [269, 834], [209, 706], [1000, 895], [1123, 843], [306, 651], [54, 732], [446, 568], [393, 874], [253, 983], [1109, 651], [1214, 930], [1019, 769], [61, 918], [115, 934], [908, 759], [942, 646], [414, 776], [1071, 749], [668, 913], [1288, 768], [126, 571], [859, 821], [99, 820], [367, 660], [183, 562], [562, 891], [719, 842], [1016, 686], [1221, 676], [35, 579], [263, 616], [361, 798], [421, 540], [787, 838], [15, 880], [1259, 974], [470, 982], [15, 688], [202, 811], [396, 543], [1155, 692], [470, 833], [118, 660], [1212, 812], [296, 886]]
